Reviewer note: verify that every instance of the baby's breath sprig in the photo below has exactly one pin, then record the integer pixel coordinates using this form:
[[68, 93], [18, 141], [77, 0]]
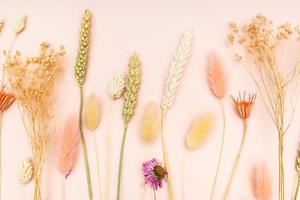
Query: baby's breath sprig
[[80, 75], [130, 101]]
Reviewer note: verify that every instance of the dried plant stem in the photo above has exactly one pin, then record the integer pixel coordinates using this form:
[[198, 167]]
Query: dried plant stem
[[38, 168], [0, 154], [63, 187], [97, 165], [220, 153], [108, 152], [121, 162], [297, 189], [237, 159], [85, 155], [165, 155], [154, 194]]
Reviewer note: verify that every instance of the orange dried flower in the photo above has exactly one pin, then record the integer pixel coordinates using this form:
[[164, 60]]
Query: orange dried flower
[[244, 105], [6, 99]]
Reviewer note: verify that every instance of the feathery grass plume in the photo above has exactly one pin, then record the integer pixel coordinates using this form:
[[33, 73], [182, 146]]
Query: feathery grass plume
[[199, 131], [80, 75], [261, 184], [26, 171], [32, 81], [116, 87], [297, 168], [68, 146], [218, 84], [130, 101], [173, 78], [216, 76], [150, 123], [270, 54], [92, 113]]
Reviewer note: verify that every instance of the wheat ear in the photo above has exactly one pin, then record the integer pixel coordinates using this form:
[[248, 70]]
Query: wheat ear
[[130, 101], [174, 76]]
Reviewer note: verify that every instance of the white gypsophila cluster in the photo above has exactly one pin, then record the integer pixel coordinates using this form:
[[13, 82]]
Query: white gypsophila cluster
[[116, 86]]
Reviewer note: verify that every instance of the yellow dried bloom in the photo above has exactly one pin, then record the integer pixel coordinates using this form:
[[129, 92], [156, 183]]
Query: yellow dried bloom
[[82, 56], [150, 122]]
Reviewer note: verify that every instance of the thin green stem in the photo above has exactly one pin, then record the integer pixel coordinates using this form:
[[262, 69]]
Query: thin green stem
[[297, 189], [154, 194], [97, 165], [220, 154], [166, 160], [237, 159], [85, 155], [121, 162]]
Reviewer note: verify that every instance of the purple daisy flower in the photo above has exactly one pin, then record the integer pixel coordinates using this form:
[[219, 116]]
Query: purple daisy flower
[[154, 173]]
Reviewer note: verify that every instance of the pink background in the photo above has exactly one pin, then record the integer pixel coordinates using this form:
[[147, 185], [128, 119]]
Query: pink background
[[151, 28]]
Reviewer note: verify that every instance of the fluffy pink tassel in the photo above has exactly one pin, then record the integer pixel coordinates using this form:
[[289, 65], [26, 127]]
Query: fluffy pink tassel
[[216, 76], [68, 145], [261, 183]]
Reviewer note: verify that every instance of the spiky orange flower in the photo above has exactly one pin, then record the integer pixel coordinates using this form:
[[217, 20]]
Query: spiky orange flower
[[244, 104], [6, 99]]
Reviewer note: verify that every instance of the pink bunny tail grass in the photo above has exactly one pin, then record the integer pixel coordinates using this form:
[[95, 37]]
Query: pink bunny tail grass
[[216, 76], [261, 184], [68, 146]]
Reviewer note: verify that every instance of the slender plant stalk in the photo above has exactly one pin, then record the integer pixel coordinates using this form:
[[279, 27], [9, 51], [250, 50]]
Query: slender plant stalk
[[166, 160], [237, 159], [220, 153], [1, 153], [297, 189], [97, 165], [121, 162], [154, 194], [63, 187], [85, 155]]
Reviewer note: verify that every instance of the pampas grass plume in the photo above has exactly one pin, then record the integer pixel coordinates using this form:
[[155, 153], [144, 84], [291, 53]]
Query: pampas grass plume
[[150, 122], [92, 113], [199, 131], [68, 146], [216, 76], [261, 184]]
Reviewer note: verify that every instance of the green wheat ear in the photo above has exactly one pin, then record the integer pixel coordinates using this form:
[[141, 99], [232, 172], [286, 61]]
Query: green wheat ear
[[132, 88], [82, 56]]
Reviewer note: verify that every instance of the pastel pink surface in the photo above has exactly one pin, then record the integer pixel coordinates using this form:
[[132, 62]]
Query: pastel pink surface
[[152, 29]]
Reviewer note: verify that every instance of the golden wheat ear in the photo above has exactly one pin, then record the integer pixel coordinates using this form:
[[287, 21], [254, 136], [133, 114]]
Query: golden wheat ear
[[68, 146], [216, 76], [261, 184]]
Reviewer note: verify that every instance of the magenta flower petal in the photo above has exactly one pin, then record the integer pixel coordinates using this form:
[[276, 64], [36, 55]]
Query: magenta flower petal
[[154, 173]]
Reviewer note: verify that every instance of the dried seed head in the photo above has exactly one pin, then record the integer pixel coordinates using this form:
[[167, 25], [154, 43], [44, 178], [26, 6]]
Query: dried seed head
[[82, 56], [150, 123], [116, 86], [26, 171], [20, 24], [132, 88]]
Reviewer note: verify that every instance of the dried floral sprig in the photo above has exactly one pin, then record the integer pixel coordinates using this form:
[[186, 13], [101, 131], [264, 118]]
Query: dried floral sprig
[[297, 168], [80, 75], [26, 171], [130, 101], [20, 24], [32, 81], [1, 24], [150, 123], [261, 184], [92, 117], [217, 83], [154, 174], [244, 105], [175, 73], [116, 87], [271, 56], [199, 131]]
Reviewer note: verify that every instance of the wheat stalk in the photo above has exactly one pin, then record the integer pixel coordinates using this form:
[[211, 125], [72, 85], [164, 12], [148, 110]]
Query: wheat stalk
[[174, 76], [130, 101]]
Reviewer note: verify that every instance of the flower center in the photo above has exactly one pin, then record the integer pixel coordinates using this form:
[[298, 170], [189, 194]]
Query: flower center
[[159, 172]]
